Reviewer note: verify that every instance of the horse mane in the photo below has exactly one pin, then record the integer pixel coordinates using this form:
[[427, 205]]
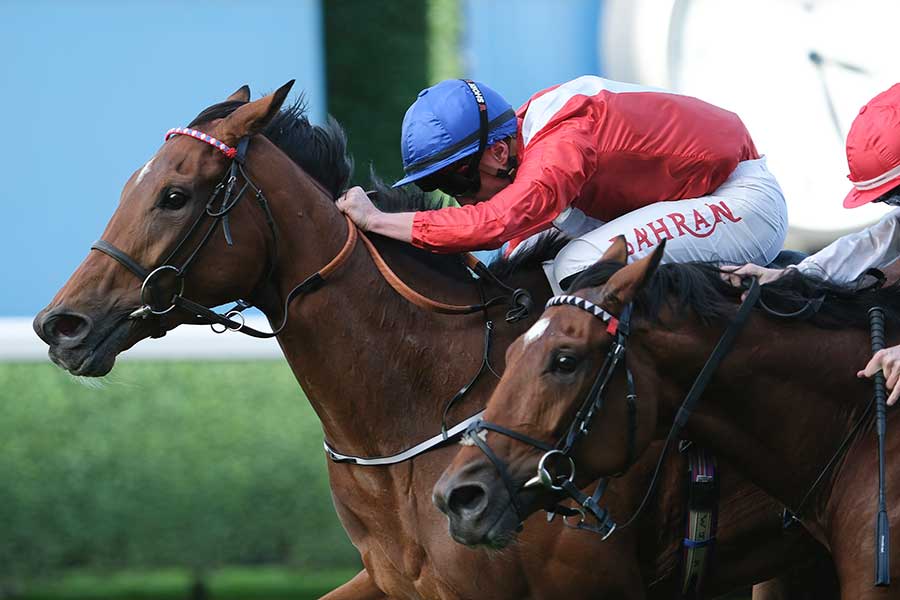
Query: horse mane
[[546, 247], [321, 151], [403, 199], [698, 288]]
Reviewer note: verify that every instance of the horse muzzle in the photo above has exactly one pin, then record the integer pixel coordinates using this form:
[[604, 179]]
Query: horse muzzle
[[477, 507], [79, 343]]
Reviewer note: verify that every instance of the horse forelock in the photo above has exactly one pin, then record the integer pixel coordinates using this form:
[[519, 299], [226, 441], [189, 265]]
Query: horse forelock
[[698, 289]]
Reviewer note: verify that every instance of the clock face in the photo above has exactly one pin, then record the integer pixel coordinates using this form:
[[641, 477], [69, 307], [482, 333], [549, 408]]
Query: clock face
[[797, 73]]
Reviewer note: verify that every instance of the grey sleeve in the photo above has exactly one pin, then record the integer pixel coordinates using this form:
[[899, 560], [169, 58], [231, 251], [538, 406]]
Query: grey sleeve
[[848, 257]]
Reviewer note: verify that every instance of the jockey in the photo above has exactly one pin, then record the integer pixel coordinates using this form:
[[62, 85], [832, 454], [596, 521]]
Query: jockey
[[873, 155], [593, 158]]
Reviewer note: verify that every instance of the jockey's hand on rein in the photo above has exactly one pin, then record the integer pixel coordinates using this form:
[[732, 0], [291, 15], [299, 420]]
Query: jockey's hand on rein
[[887, 360], [356, 205], [735, 275]]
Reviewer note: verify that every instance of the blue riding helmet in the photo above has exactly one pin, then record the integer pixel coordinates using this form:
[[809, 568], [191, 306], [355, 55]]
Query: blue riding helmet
[[447, 123]]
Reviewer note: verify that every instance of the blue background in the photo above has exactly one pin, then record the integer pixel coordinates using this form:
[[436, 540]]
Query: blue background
[[87, 90], [519, 47]]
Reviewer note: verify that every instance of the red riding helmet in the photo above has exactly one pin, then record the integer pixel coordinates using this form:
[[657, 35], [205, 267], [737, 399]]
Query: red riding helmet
[[873, 149]]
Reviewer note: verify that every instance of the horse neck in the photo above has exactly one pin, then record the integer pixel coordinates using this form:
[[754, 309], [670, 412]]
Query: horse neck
[[376, 368], [779, 404]]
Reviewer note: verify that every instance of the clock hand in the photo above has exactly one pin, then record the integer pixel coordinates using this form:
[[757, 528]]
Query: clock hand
[[818, 61]]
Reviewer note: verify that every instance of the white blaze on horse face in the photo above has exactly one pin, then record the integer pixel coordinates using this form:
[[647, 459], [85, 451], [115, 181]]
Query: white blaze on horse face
[[145, 170], [536, 331]]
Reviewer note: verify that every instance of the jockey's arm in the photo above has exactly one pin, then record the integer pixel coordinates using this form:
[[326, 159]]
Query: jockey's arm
[[848, 257], [553, 174], [355, 204], [845, 259]]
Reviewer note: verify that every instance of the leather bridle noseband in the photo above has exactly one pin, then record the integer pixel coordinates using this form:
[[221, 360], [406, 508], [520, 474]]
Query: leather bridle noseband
[[563, 483]]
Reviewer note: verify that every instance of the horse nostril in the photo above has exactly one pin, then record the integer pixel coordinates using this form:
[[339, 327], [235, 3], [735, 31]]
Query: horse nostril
[[65, 327], [467, 500], [69, 325]]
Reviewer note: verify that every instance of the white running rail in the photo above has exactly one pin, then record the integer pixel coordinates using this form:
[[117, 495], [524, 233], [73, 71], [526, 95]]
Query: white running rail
[[18, 342]]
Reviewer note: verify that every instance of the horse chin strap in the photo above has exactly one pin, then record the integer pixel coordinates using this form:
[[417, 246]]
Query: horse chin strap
[[563, 483]]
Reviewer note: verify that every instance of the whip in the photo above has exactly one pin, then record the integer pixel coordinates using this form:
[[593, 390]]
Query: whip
[[882, 527]]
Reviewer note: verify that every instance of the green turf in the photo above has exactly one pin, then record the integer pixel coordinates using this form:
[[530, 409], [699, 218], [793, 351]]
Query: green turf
[[191, 464], [263, 583]]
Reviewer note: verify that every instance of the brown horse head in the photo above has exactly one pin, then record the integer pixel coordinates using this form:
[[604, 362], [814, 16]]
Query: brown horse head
[[550, 370], [89, 321]]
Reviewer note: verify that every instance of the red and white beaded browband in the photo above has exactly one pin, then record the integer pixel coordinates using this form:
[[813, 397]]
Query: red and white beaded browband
[[203, 137]]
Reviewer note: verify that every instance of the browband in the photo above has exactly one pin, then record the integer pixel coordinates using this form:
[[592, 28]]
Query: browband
[[586, 305], [203, 137]]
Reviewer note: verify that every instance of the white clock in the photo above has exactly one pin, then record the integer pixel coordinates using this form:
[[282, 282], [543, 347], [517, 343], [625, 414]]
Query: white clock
[[796, 71]]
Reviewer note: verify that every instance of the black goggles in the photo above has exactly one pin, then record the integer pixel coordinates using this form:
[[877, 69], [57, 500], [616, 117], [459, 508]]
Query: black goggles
[[891, 198], [454, 183]]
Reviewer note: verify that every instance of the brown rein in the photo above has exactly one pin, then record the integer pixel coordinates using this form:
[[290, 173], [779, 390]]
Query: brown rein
[[411, 295]]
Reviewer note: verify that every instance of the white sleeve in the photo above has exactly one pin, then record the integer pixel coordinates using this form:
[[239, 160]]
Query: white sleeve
[[848, 257]]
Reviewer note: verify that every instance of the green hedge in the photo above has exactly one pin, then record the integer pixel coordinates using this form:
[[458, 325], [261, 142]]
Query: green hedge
[[376, 62], [174, 464], [378, 55]]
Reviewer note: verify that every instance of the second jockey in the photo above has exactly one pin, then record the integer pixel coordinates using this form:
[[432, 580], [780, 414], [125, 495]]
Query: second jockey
[[593, 158]]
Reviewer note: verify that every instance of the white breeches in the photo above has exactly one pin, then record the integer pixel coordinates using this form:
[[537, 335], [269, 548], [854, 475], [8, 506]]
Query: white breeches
[[743, 221]]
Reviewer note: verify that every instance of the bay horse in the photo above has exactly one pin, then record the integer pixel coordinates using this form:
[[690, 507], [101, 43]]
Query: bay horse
[[778, 407], [376, 368]]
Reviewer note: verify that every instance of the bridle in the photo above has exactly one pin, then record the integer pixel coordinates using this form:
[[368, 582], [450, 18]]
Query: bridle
[[563, 483], [216, 212], [581, 425]]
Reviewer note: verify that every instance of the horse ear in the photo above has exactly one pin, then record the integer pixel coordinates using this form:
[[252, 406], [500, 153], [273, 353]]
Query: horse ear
[[241, 95], [617, 252], [252, 117], [625, 284]]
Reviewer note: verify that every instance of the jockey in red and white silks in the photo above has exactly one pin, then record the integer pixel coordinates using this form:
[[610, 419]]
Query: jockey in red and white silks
[[594, 158]]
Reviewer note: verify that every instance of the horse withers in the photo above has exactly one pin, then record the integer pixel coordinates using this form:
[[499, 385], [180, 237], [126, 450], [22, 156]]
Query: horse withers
[[240, 206], [777, 407]]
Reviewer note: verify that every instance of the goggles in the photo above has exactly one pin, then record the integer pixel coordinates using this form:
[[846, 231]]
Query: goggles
[[891, 198], [455, 180]]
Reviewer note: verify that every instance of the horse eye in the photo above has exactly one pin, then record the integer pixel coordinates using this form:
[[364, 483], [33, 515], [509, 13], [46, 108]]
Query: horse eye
[[173, 199], [565, 363]]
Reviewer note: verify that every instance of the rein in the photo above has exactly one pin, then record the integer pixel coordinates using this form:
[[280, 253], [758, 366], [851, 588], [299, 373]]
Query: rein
[[563, 484]]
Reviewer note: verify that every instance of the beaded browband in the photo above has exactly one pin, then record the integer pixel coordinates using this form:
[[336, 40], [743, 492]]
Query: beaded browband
[[588, 306], [203, 137]]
